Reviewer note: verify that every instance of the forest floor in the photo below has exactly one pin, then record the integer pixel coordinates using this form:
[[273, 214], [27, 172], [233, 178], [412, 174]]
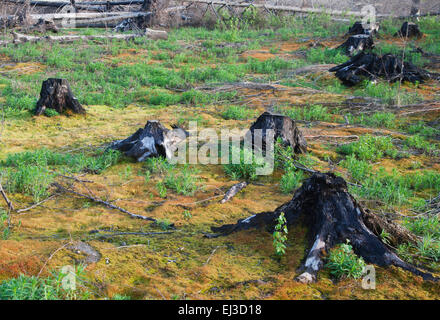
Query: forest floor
[[393, 131]]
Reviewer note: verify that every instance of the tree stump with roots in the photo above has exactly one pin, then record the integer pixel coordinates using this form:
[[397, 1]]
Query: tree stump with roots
[[358, 28], [409, 30], [332, 216], [154, 140], [284, 128], [56, 94], [356, 44]]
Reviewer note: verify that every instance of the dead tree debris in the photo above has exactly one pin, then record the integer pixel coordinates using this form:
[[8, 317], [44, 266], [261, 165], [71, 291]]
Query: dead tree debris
[[44, 26], [372, 66], [409, 30], [284, 127], [83, 248], [236, 188], [356, 44], [332, 216], [153, 140], [56, 94]]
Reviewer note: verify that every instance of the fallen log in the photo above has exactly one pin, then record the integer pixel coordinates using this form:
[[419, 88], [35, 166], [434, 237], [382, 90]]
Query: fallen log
[[372, 66], [281, 8], [236, 188], [356, 44], [56, 94], [283, 127], [5, 197], [332, 216], [58, 4], [154, 140], [149, 34]]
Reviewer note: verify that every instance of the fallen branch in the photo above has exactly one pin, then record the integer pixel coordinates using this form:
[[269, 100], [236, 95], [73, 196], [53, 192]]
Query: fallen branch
[[37, 204], [8, 202], [105, 203], [236, 188]]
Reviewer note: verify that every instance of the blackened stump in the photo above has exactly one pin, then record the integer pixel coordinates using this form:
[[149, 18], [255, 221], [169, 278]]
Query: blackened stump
[[284, 128], [356, 44], [371, 66], [358, 28], [332, 216], [409, 30], [153, 140], [56, 94]]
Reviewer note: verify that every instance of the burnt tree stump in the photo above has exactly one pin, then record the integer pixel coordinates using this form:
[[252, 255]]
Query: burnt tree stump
[[358, 28], [357, 43], [409, 30], [56, 94], [154, 140], [284, 127], [44, 26], [371, 66], [332, 216]]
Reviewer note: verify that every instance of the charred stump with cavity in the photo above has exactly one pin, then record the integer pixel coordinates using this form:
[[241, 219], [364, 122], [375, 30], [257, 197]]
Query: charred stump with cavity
[[154, 140], [283, 127], [357, 43], [56, 94], [409, 30], [372, 66], [332, 217]]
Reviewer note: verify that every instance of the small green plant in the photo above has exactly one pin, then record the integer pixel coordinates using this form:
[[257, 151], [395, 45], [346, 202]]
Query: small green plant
[[344, 263], [247, 168], [4, 228], [161, 189], [182, 180], [164, 224], [187, 215], [280, 235], [385, 237], [290, 181], [51, 113]]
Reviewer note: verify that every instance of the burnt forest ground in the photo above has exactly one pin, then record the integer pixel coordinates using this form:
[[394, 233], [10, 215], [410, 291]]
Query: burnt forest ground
[[382, 137]]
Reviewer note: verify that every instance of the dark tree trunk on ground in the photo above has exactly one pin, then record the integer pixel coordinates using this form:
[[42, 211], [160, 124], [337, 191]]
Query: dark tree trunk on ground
[[356, 44], [56, 94], [284, 127], [332, 216], [388, 67], [357, 28], [44, 26], [153, 140], [409, 30]]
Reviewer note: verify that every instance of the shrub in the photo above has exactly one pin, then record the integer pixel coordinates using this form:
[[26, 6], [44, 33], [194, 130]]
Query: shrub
[[247, 168], [343, 262], [280, 235], [182, 181]]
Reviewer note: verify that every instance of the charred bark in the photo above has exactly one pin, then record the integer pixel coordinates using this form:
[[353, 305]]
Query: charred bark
[[371, 66], [332, 216], [56, 94], [358, 28], [154, 140], [44, 26], [284, 127], [409, 30], [356, 44]]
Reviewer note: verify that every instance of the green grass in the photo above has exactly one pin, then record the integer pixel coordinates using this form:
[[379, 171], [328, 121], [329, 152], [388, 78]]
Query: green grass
[[370, 148], [290, 181], [247, 168], [182, 180], [238, 113], [326, 56], [308, 113], [36, 288]]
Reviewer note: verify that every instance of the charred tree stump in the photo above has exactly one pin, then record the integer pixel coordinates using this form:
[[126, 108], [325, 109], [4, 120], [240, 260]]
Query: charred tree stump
[[332, 216], [284, 127], [154, 140], [357, 43], [409, 30], [44, 26], [358, 28], [56, 94], [371, 66]]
